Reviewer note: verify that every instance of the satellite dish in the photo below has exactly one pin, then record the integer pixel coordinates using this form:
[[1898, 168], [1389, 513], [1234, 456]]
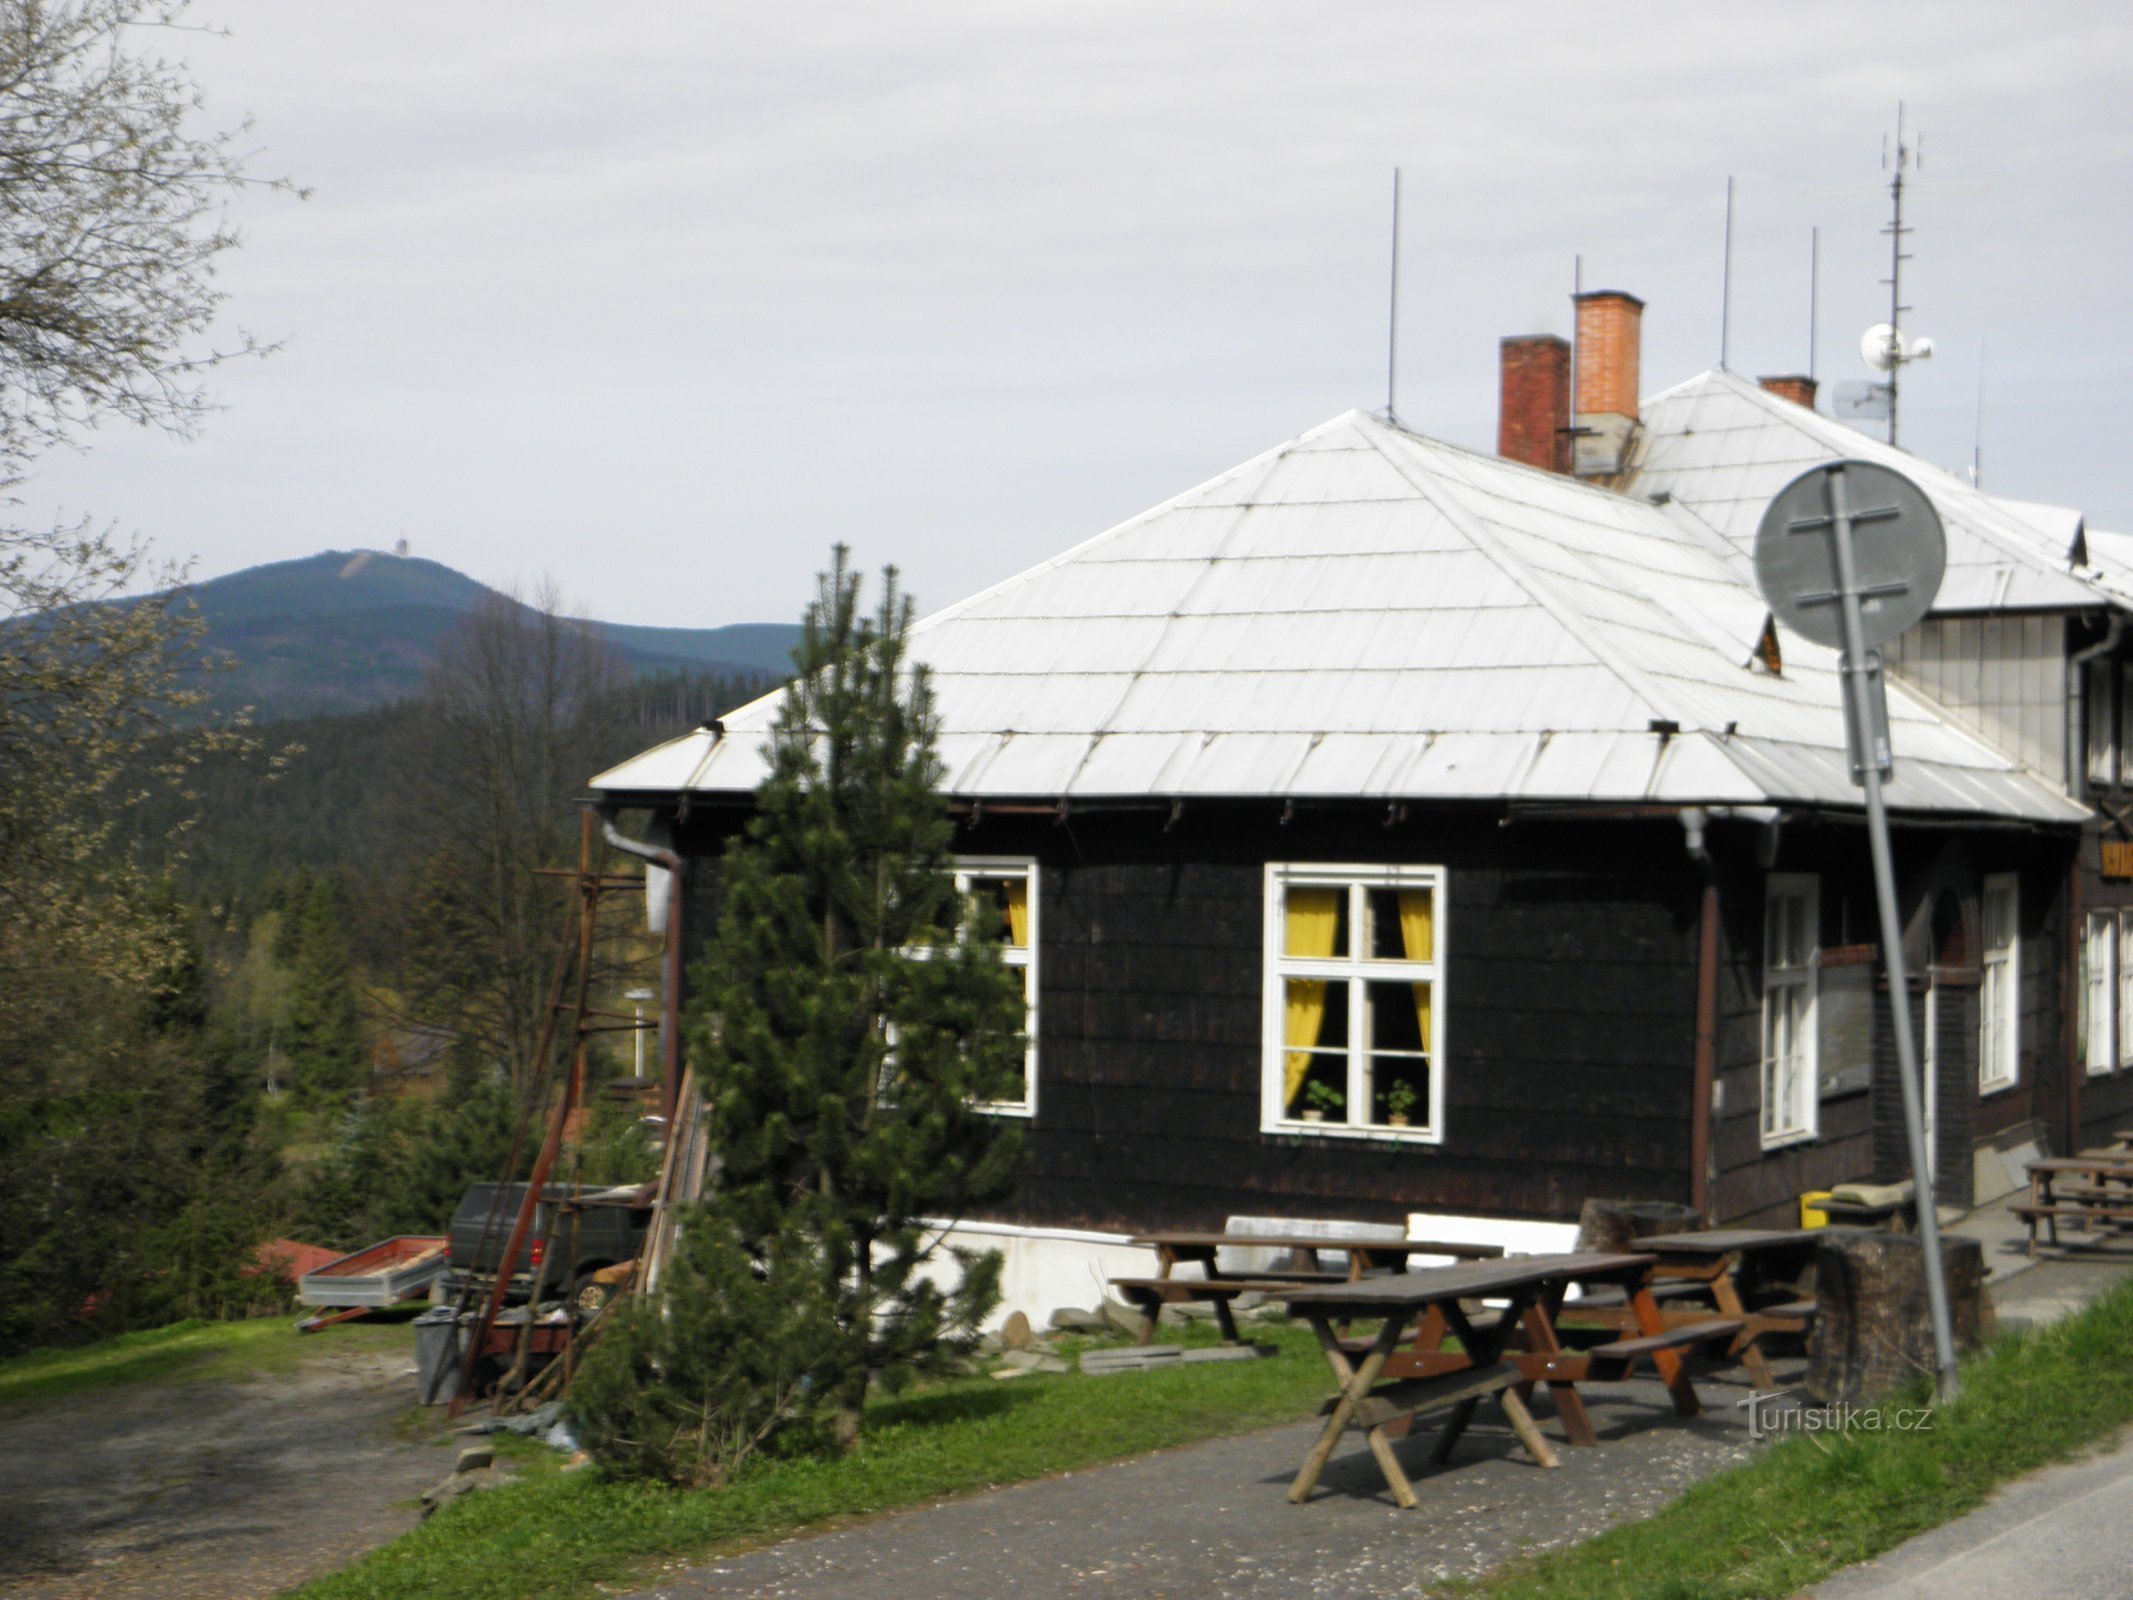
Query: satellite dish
[[1921, 350], [1881, 346], [1898, 553]]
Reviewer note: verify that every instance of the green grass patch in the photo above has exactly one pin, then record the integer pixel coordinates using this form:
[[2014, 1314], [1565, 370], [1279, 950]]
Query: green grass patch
[[185, 1352], [557, 1536], [1817, 1503]]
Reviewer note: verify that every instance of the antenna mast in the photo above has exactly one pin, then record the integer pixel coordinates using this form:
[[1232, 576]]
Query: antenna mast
[[1392, 318], [1814, 294], [1904, 155], [1725, 282]]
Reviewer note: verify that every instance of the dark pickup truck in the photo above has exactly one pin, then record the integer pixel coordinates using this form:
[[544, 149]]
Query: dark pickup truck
[[577, 1230]]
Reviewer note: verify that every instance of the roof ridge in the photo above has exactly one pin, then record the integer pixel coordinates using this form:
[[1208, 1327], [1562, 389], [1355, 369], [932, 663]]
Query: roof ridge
[[1835, 435], [1519, 572]]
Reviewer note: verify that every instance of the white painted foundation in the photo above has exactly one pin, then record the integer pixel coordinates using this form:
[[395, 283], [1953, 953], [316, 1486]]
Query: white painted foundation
[[1044, 1269]]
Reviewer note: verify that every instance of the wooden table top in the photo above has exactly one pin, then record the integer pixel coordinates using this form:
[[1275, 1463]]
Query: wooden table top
[[2055, 1164], [1723, 1241], [1468, 1280], [1290, 1241]]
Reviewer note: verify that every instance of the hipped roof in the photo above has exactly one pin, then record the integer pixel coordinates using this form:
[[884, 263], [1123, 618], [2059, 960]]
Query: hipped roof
[[1719, 448], [1363, 612]]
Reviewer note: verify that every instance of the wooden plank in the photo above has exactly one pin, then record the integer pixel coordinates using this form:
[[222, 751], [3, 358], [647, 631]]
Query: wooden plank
[[1469, 1280], [1410, 1397], [1687, 1333]]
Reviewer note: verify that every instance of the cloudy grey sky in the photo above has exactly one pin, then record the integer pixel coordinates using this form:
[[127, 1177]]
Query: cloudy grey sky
[[662, 299]]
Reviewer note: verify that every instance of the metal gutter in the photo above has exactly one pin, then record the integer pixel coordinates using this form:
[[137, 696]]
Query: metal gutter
[[670, 985]]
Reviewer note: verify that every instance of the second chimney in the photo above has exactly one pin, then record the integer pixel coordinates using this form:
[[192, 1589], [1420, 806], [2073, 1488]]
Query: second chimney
[[1533, 405], [1610, 346], [1799, 390]]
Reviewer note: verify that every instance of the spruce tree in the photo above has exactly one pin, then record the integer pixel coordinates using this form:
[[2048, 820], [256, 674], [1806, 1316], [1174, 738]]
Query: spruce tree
[[325, 1046], [852, 1014]]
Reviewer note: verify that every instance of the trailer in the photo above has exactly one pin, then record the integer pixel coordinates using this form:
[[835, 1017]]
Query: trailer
[[385, 1274]]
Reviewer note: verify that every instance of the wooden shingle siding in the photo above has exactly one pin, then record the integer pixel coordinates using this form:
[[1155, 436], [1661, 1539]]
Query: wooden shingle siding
[[1568, 988], [1569, 997]]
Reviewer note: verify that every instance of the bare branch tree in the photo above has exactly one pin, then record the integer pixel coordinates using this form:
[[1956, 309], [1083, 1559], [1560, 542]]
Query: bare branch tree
[[511, 720]]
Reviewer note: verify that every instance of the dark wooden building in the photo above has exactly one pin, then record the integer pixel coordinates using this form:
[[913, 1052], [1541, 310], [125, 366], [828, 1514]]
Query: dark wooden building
[[1390, 830]]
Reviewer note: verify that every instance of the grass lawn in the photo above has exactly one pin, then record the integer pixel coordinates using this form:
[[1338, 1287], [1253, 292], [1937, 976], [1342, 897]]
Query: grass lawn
[[185, 1352], [556, 1534], [1820, 1502]]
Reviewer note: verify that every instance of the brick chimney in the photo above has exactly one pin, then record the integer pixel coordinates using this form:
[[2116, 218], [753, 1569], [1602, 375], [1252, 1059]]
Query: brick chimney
[[1533, 407], [1610, 345], [1799, 390]]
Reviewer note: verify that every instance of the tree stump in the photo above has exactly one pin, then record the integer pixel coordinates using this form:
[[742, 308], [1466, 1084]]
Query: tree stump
[[1873, 1331], [1607, 1226]]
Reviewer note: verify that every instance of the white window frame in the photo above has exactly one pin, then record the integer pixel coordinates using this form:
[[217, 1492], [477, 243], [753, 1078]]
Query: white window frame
[[968, 868], [2100, 980], [2124, 992], [1786, 985], [1354, 969], [1999, 1053]]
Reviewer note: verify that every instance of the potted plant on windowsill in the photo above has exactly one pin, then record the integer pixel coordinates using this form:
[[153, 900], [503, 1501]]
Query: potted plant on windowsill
[[1320, 1100], [1399, 1101]]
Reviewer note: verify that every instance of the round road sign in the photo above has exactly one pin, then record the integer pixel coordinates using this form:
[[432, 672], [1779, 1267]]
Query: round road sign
[[1898, 552]]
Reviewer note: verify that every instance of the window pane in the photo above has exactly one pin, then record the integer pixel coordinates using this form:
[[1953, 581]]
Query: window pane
[[1999, 918], [1315, 923], [2102, 757], [999, 907], [1403, 924], [1322, 1087], [1399, 1089], [1399, 1016]]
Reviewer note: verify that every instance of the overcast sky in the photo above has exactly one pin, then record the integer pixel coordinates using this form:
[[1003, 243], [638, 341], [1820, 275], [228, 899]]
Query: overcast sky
[[662, 299]]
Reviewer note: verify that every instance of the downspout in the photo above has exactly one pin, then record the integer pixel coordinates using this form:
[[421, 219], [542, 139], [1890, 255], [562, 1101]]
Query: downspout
[[2077, 678], [2070, 1002], [1703, 1072], [670, 997], [2077, 785]]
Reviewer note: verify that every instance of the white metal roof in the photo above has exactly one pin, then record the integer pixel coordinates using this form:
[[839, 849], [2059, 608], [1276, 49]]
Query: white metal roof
[[1363, 612], [1719, 447]]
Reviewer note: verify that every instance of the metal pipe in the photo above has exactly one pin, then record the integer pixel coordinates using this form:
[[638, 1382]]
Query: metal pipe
[[670, 1000], [1703, 1070], [2077, 678], [1862, 678]]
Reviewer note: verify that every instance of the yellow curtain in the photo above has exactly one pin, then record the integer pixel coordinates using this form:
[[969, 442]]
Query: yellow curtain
[[1418, 929], [1310, 918], [1018, 913]]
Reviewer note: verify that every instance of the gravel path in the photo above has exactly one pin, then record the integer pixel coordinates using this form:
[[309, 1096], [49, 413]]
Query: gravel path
[[223, 1490], [1210, 1522]]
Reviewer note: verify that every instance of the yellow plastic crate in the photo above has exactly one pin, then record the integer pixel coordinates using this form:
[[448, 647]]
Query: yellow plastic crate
[[1811, 1213]]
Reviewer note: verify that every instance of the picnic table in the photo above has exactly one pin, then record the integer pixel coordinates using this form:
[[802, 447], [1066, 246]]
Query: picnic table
[[2103, 1192], [1721, 1263], [1173, 1249], [1382, 1390]]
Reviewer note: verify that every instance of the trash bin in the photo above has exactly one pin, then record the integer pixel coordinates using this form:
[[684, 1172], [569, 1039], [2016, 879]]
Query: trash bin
[[1811, 1213], [436, 1356]]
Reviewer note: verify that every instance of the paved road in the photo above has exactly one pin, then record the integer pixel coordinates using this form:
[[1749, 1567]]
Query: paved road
[[1210, 1520], [2063, 1534], [210, 1491]]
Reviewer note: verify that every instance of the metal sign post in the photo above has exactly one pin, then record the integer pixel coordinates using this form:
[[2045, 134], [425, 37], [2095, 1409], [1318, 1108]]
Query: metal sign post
[[1866, 604]]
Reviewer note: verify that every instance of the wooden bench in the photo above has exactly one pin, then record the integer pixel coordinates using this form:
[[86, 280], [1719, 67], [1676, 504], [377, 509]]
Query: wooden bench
[[1150, 1295], [1611, 1363], [1365, 1255], [2083, 1211]]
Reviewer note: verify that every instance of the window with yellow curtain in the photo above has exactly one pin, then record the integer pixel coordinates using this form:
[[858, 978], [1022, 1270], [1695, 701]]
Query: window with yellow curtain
[[1354, 1025], [1002, 894]]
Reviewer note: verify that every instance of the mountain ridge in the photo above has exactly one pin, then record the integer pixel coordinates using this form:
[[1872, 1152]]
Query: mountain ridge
[[349, 630]]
